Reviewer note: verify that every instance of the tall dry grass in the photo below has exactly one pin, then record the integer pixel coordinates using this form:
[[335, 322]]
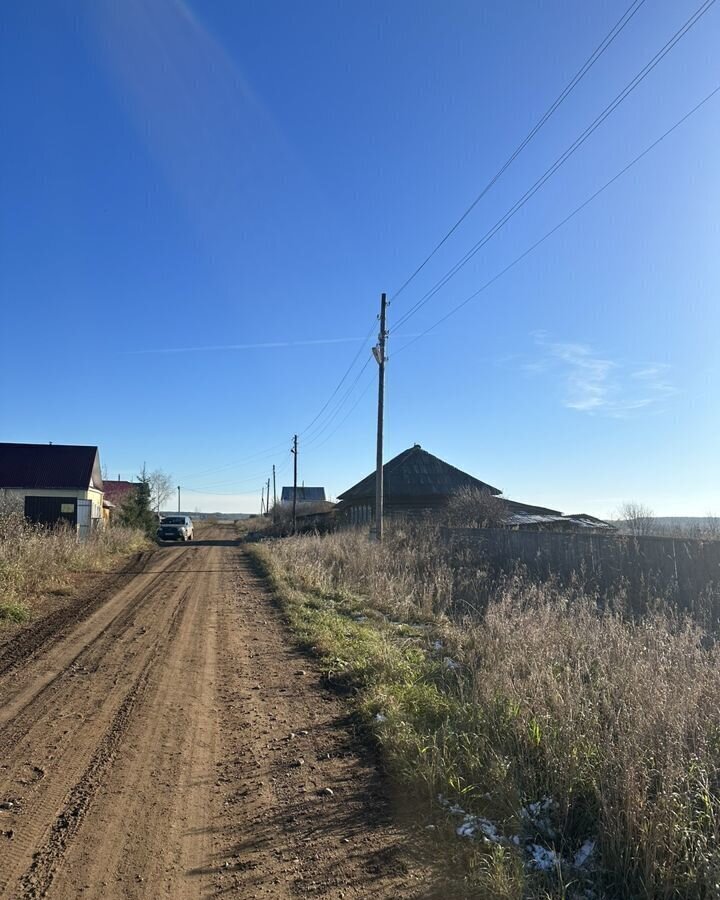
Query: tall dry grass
[[35, 559], [616, 720]]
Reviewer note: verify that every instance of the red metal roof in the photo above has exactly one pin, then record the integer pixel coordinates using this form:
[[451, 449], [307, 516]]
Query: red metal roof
[[117, 491]]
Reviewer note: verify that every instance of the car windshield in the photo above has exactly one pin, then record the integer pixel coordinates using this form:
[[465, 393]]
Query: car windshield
[[173, 520]]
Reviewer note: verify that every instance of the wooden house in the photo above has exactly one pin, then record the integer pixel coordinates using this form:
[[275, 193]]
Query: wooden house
[[415, 482]]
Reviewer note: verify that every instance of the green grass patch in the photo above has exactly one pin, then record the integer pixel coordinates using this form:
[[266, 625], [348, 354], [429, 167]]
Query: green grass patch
[[13, 611]]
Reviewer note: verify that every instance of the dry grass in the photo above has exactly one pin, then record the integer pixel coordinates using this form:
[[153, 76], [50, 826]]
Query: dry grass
[[618, 722], [34, 559]]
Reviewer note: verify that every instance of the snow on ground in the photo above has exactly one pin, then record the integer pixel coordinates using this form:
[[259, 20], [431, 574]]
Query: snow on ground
[[535, 844]]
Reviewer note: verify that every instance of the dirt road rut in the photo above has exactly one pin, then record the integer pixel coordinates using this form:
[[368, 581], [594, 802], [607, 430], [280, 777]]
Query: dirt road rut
[[171, 743]]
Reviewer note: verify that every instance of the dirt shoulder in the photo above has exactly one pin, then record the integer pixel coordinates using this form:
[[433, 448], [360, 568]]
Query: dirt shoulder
[[173, 743]]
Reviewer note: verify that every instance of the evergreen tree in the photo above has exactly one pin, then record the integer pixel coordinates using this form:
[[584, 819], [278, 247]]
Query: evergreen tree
[[136, 511]]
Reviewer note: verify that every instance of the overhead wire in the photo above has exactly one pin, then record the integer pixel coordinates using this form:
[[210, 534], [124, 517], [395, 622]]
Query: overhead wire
[[567, 218], [561, 160], [344, 419], [567, 90], [342, 380], [338, 406]]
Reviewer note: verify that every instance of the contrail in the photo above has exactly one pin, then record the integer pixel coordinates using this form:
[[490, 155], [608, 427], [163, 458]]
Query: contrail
[[267, 345]]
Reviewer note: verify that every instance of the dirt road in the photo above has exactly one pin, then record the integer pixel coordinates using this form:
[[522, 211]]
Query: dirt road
[[168, 741]]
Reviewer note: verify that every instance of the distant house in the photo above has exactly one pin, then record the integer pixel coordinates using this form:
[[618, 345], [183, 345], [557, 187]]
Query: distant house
[[414, 481], [305, 495], [117, 492], [53, 483]]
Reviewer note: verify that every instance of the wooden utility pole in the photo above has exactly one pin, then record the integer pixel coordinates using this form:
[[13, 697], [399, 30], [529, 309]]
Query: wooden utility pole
[[295, 455], [274, 495], [262, 500], [381, 359], [178, 500], [267, 505]]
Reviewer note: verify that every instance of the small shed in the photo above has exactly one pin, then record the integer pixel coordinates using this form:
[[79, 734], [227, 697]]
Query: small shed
[[53, 483]]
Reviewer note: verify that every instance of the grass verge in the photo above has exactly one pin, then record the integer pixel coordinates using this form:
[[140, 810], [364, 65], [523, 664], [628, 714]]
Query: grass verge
[[410, 699], [553, 751], [34, 560]]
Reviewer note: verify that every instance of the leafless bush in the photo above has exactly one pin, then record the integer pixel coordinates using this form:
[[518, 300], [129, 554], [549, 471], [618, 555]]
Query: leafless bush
[[635, 518], [472, 507]]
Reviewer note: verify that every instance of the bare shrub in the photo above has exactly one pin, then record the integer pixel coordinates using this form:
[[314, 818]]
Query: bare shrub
[[471, 507], [161, 487], [635, 519]]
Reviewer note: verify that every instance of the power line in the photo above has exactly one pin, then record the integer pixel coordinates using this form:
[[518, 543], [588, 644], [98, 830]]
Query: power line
[[342, 380], [567, 218], [269, 452], [344, 419], [577, 143], [338, 407], [567, 90], [261, 454], [239, 481]]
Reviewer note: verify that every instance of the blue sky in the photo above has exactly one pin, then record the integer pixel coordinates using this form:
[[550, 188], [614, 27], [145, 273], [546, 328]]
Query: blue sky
[[248, 177]]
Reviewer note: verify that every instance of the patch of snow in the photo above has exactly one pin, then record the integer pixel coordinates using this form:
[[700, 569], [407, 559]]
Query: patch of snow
[[379, 717], [538, 816], [584, 854], [467, 829], [450, 663], [437, 645], [542, 858]]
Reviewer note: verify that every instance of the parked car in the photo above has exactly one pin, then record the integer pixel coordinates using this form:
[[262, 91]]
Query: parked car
[[175, 528]]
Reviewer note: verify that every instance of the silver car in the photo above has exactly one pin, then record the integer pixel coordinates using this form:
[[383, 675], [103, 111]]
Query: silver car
[[175, 528]]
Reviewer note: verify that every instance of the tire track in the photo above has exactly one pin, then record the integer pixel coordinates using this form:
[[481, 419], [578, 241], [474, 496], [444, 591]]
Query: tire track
[[9, 735], [36, 740], [37, 880], [43, 634]]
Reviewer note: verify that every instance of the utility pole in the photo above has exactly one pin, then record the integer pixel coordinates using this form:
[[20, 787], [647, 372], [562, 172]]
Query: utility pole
[[178, 499], [274, 496], [381, 359], [295, 455], [267, 505], [262, 500]]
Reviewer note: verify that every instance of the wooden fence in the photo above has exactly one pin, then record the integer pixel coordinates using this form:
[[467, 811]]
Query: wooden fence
[[685, 571]]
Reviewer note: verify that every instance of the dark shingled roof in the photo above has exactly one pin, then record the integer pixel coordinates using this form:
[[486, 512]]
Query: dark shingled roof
[[33, 466], [304, 495], [415, 473], [514, 506]]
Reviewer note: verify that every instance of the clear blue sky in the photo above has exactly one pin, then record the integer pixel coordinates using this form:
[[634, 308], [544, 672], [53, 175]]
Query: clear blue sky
[[180, 175]]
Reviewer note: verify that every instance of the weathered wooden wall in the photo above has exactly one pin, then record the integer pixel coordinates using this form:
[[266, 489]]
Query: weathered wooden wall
[[683, 570]]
